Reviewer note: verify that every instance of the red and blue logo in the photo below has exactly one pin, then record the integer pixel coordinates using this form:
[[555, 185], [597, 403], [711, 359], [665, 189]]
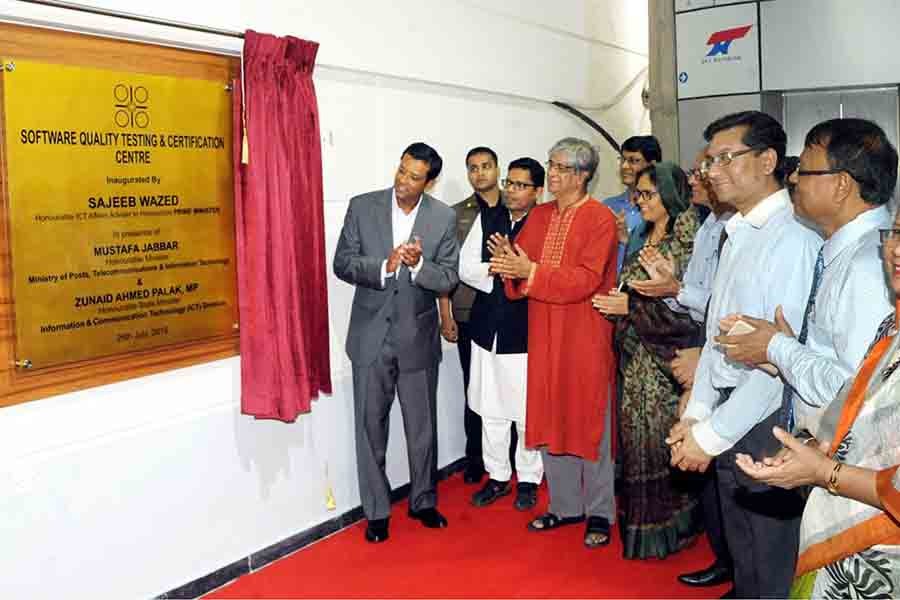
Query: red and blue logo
[[721, 40]]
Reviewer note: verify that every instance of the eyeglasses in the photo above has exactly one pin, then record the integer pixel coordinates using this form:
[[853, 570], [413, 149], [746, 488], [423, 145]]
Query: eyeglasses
[[644, 195], [803, 173], [512, 184], [696, 174], [725, 158], [889, 236], [634, 161], [560, 168]]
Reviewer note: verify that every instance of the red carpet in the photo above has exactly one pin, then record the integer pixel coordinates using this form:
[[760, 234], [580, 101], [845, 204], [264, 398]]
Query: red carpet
[[485, 553]]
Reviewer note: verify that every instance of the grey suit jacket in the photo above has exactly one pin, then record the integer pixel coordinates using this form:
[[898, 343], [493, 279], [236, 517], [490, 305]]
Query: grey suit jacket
[[408, 307]]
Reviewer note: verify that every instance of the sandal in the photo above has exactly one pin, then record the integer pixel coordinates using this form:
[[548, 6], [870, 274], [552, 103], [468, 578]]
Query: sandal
[[596, 533], [549, 521]]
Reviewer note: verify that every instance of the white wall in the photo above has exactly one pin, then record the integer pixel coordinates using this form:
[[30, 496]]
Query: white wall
[[829, 43], [128, 490]]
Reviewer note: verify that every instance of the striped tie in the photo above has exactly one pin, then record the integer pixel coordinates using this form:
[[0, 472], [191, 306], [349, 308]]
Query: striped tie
[[787, 405]]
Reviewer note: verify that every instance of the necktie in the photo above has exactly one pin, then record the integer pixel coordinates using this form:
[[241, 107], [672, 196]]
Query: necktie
[[787, 404], [723, 237]]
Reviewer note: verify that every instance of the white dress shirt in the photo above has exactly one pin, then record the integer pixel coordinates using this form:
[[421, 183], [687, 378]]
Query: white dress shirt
[[401, 229], [767, 261], [851, 302], [696, 285]]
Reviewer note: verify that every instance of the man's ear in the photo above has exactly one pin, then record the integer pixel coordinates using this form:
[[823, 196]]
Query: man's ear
[[771, 160]]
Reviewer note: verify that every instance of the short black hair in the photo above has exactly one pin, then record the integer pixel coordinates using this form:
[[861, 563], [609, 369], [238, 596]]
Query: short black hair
[[425, 153], [481, 150], [861, 149], [647, 145], [763, 132], [534, 168]]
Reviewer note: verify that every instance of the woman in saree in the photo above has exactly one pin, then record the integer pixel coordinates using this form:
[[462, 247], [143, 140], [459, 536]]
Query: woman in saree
[[659, 510], [850, 532]]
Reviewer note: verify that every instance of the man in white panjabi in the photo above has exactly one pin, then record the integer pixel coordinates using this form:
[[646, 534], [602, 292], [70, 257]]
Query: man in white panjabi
[[499, 331]]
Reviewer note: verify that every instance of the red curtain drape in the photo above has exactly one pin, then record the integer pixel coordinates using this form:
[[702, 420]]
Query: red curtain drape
[[283, 294]]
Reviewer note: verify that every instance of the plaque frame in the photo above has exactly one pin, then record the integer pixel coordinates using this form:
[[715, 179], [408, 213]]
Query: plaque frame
[[18, 384]]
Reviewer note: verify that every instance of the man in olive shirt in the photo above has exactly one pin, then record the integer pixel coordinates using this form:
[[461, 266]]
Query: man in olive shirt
[[483, 173]]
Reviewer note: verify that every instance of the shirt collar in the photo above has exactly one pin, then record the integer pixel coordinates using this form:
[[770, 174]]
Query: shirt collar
[[514, 221], [767, 208], [395, 208], [844, 237], [712, 219]]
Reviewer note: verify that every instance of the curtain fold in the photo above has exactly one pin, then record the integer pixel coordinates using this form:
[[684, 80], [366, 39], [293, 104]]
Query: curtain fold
[[280, 232]]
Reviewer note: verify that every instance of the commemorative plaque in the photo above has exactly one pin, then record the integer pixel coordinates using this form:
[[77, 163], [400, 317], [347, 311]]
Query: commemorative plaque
[[120, 208]]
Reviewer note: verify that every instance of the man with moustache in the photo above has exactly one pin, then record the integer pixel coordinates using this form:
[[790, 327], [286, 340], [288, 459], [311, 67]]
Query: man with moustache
[[638, 152], [845, 180], [483, 172], [398, 247], [692, 295], [499, 330], [565, 254], [766, 262]]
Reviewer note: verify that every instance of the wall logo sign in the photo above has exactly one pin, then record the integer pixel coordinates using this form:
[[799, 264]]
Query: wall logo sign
[[131, 106], [721, 44]]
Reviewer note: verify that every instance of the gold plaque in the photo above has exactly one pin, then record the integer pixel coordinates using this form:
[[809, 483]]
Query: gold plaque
[[121, 210]]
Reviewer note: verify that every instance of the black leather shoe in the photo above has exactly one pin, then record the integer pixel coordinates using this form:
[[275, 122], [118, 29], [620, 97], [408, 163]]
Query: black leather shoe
[[526, 496], [377, 530], [429, 517], [473, 473], [712, 575], [491, 492]]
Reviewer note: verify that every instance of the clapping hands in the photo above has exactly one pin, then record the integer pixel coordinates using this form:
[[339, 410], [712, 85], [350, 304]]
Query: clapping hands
[[508, 260], [661, 269]]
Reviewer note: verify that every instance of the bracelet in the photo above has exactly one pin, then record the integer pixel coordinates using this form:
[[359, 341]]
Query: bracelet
[[832, 486]]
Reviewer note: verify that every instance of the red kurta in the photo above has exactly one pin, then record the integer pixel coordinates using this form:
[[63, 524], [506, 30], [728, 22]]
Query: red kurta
[[571, 365]]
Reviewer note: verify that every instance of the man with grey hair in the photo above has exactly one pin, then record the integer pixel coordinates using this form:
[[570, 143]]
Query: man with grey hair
[[565, 254]]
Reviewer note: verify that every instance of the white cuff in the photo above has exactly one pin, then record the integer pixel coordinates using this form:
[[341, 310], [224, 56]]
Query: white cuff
[[384, 273], [413, 271], [697, 411], [708, 440], [778, 350]]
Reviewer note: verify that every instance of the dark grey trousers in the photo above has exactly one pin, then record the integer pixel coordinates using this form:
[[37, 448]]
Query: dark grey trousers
[[373, 394], [712, 517], [763, 533]]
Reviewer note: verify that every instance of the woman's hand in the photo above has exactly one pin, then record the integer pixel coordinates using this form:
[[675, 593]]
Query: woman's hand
[[684, 365], [661, 270], [615, 303], [797, 464]]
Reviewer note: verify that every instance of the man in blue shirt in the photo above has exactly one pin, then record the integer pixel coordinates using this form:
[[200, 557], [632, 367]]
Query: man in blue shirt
[[638, 152], [767, 261]]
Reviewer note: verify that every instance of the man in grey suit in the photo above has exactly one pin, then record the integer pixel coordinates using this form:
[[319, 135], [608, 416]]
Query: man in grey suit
[[398, 247]]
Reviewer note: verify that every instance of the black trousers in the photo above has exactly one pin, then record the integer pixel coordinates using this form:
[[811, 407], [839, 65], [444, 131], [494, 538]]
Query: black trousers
[[761, 522], [712, 518]]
